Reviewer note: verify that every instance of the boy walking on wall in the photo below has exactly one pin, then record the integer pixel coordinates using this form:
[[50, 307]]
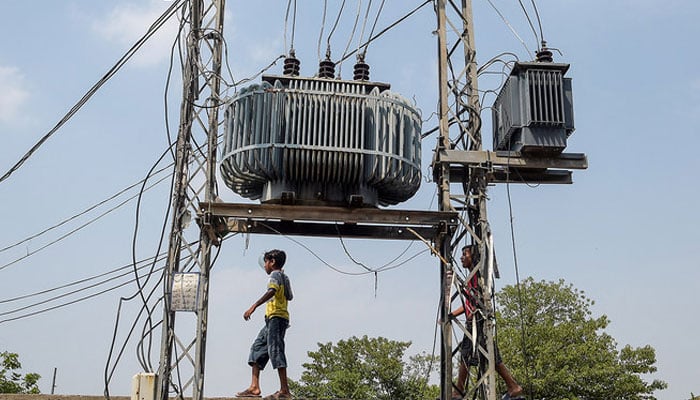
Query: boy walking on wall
[[269, 344]]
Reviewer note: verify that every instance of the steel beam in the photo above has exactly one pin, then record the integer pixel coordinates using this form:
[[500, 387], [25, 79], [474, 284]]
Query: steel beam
[[334, 230], [324, 221], [513, 159], [328, 214]]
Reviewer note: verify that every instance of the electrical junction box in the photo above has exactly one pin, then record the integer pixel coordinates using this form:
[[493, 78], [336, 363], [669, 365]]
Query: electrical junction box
[[143, 386], [533, 113], [185, 291]]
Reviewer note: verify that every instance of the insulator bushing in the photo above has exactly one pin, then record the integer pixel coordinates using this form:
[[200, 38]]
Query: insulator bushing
[[326, 69], [361, 71], [545, 55], [291, 66]]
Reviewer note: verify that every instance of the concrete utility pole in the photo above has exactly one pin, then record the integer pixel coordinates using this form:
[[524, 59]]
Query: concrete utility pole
[[186, 283]]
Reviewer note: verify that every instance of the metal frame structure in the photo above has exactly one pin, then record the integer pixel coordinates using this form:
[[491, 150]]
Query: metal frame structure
[[182, 354], [458, 159], [459, 125]]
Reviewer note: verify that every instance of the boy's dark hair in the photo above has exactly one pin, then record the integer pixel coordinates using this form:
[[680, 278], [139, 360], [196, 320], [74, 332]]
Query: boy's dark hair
[[472, 249], [278, 255]]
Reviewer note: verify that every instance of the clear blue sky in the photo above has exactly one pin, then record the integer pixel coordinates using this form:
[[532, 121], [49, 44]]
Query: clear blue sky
[[623, 233]]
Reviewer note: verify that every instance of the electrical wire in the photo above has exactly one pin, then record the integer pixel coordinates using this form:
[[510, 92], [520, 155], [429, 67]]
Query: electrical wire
[[65, 304], [352, 33], [273, 63], [410, 244], [87, 210], [160, 241], [89, 222], [496, 59], [144, 360], [49, 300], [539, 21], [335, 25], [345, 249], [308, 249], [517, 271], [294, 23], [323, 26], [74, 283], [374, 26], [510, 26], [364, 24], [331, 266], [107, 373], [144, 355], [402, 263], [385, 267], [529, 21], [171, 63], [160, 21], [383, 31]]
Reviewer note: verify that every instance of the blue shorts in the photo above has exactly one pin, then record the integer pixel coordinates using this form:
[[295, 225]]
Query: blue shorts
[[269, 345]]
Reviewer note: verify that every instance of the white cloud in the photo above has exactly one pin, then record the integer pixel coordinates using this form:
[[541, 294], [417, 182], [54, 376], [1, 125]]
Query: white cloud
[[13, 94], [126, 23]]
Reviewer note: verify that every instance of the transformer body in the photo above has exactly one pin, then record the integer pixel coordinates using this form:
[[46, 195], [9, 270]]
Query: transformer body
[[321, 141], [533, 113]]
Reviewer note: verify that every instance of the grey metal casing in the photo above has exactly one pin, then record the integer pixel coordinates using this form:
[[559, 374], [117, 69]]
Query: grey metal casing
[[321, 141], [534, 112]]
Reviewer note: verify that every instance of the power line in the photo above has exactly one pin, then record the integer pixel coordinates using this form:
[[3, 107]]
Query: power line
[[49, 300], [374, 25], [510, 26], [539, 21], [120, 63], [529, 21], [87, 210], [68, 303], [335, 25], [294, 24], [383, 31], [364, 24], [160, 243], [67, 285], [323, 26], [517, 272], [60, 238], [352, 33]]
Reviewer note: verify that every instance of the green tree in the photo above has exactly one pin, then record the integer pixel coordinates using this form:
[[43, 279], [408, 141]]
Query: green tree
[[365, 368], [12, 381], [568, 355]]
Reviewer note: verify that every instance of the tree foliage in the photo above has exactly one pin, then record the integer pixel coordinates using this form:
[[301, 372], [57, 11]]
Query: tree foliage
[[365, 368], [567, 353], [12, 381]]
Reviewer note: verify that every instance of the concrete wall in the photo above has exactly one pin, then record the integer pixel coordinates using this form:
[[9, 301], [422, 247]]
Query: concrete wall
[[77, 397], [56, 397], [73, 397]]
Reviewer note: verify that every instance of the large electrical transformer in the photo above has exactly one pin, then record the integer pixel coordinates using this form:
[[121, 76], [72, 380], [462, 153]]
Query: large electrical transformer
[[321, 141]]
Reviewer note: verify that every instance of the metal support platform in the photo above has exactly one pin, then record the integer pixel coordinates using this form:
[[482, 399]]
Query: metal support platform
[[327, 221], [513, 167]]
